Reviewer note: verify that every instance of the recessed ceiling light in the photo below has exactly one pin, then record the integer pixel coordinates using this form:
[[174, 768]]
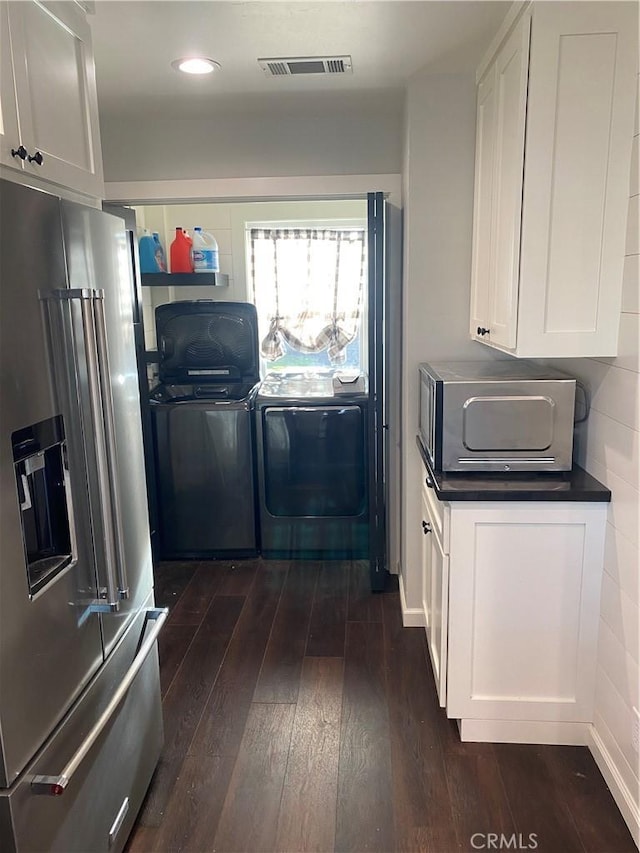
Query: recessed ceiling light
[[195, 65]]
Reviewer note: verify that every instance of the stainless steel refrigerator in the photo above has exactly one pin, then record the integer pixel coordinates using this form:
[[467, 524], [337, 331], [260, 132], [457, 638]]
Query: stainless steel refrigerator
[[80, 715]]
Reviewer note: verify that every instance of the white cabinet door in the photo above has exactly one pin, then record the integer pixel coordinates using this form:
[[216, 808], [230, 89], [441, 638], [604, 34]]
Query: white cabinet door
[[56, 94], [435, 597], [439, 616], [9, 131], [427, 606], [483, 204], [576, 188], [556, 104], [523, 611], [511, 71]]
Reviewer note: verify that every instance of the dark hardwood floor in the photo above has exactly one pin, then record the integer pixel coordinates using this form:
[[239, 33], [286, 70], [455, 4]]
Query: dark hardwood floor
[[301, 716]]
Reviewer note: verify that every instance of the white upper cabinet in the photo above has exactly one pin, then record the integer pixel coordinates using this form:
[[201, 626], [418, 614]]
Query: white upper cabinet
[[9, 131], [553, 151], [48, 98]]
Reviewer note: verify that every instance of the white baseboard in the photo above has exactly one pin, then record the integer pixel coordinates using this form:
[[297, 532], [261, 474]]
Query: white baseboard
[[524, 731], [412, 617], [619, 790]]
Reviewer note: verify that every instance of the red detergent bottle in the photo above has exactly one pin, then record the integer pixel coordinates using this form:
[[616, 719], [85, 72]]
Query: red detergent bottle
[[180, 254]]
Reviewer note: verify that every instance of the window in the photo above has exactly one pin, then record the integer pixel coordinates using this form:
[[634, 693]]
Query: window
[[308, 288]]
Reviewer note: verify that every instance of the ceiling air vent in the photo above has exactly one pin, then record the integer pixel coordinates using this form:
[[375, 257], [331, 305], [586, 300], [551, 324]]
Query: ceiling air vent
[[289, 67]]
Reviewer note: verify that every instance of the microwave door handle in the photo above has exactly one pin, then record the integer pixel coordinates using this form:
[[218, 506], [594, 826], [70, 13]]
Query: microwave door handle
[[55, 785], [80, 347], [432, 419], [111, 446]]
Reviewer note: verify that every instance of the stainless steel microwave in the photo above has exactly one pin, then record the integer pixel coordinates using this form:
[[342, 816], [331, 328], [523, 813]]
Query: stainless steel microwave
[[496, 416]]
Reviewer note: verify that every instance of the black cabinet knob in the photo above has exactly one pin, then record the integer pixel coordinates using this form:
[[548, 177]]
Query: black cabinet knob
[[37, 158], [20, 152], [482, 331], [426, 527]]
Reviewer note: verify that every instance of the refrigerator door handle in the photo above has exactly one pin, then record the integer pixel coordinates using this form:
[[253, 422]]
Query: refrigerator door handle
[[55, 786], [109, 600], [110, 435]]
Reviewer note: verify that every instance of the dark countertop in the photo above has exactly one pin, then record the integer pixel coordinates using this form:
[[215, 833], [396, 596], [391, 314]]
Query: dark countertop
[[575, 485]]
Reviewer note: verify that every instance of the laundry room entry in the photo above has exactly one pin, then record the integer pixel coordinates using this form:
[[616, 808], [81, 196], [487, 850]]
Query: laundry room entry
[[303, 466]]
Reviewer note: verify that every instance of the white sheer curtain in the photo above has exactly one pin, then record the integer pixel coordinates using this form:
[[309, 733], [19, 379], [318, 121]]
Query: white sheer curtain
[[308, 285]]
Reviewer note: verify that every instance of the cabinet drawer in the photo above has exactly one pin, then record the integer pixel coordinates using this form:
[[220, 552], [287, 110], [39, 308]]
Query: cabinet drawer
[[439, 514]]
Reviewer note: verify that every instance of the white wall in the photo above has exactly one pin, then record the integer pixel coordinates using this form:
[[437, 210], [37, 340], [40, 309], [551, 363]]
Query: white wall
[[438, 175], [366, 138], [608, 446]]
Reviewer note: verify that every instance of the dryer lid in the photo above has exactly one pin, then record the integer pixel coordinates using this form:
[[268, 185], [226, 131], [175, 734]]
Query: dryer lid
[[207, 341]]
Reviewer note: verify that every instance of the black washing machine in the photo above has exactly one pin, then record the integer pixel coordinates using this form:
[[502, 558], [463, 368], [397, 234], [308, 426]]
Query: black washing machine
[[311, 434], [203, 431]]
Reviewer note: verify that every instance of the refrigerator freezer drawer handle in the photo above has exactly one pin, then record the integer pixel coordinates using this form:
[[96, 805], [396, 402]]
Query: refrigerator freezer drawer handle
[[117, 824], [55, 786]]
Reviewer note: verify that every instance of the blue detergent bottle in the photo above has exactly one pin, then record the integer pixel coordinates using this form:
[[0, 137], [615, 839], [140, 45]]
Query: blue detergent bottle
[[147, 250], [161, 258]]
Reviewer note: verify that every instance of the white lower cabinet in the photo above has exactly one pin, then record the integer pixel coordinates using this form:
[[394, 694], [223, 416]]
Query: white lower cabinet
[[435, 596], [511, 600]]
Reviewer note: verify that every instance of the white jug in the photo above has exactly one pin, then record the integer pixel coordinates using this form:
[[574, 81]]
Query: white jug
[[205, 251]]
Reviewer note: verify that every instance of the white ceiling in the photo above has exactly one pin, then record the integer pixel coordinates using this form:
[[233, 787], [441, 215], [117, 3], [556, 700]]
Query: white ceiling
[[388, 41]]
